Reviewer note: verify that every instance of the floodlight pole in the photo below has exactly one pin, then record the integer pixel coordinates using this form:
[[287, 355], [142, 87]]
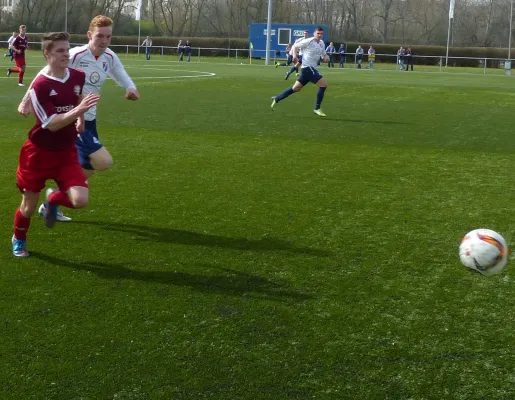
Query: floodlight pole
[[509, 37], [448, 37], [268, 32]]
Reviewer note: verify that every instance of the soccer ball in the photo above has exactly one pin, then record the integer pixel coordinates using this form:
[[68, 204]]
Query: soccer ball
[[484, 251]]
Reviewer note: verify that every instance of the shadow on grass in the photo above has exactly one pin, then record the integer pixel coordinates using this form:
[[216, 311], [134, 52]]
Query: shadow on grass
[[356, 121], [228, 282], [168, 235]]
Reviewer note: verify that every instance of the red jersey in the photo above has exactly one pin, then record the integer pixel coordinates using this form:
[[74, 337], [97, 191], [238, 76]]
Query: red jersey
[[51, 96], [20, 44]]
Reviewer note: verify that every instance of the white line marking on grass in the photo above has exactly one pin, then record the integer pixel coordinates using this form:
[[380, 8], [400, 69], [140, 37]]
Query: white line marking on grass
[[173, 77], [201, 74]]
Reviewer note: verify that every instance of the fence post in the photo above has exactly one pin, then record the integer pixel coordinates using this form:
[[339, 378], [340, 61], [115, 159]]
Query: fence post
[[441, 62], [162, 51], [199, 54], [484, 70], [127, 52], [236, 55]]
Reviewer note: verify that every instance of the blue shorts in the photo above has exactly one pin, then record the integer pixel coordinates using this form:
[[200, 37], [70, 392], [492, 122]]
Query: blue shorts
[[300, 59], [87, 143], [309, 74]]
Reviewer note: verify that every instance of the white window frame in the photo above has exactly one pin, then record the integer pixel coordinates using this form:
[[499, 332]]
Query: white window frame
[[279, 36]]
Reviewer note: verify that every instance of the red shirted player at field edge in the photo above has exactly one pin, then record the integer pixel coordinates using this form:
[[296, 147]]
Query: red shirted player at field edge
[[20, 44], [50, 153]]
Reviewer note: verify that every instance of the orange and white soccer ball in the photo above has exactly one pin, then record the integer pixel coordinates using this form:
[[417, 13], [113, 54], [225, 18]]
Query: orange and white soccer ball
[[484, 251]]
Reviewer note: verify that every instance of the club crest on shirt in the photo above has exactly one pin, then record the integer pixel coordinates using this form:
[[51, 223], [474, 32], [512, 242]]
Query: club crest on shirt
[[94, 77], [76, 90], [104, 66]]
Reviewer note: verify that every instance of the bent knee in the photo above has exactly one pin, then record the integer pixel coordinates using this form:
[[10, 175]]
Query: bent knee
[[79, 202], [102, 164]]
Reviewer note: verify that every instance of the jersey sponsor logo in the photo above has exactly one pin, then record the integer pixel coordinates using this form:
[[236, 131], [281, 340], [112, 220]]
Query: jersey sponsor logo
[[105, 66], [63, 109], [83, 64], [53, 93], [95, 140], [94, 78], [76, 90]]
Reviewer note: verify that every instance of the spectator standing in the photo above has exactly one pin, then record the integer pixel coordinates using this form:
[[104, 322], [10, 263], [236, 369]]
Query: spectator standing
[[371, 57], [180, 50], [409, 58], [400, 57], [331, 51], [342, 50], [188, 49], [147, 43], [359, 56]]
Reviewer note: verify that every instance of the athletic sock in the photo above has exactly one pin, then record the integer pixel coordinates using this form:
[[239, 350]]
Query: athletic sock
[[320, 97], [21, 225], [284, 94]]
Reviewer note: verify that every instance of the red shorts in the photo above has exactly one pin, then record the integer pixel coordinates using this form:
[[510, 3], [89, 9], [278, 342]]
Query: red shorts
[[20, 61], [37, 165]]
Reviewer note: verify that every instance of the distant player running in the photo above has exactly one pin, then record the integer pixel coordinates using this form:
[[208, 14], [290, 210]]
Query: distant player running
[[98, 62], [9, 43], [297, 63], [18, 46], [289, 56], [312, 49]]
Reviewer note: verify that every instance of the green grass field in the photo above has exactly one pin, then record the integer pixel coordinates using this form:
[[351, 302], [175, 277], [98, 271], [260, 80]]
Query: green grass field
[[233, 252]]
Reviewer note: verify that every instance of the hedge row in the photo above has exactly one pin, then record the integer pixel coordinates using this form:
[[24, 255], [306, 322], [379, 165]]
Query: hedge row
[[205, 43]]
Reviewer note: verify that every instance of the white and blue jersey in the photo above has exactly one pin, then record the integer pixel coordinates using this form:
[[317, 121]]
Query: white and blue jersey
[[97, 70], [311, 51]]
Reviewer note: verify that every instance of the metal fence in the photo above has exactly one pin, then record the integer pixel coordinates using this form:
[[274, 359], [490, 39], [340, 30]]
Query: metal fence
[[383, 61]]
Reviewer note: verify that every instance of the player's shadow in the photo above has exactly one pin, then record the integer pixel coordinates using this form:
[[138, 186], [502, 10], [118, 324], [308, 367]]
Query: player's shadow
[[227, 281], [179, 236], [358, 121]]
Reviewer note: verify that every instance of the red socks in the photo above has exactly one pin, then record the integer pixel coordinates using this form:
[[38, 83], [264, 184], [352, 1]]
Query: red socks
[[20, 72], [21, 225]]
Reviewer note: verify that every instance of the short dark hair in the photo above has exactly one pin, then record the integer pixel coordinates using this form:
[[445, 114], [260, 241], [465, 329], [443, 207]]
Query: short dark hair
[[48, 39], [319, 28]]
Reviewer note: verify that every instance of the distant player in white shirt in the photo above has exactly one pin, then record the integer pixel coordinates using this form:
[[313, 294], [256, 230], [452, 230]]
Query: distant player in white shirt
[[312, 49], [99, 63], [10, 41]]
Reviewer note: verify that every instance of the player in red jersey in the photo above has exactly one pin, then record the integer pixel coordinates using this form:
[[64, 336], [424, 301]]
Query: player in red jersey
[[50, 153], [20, 44]]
